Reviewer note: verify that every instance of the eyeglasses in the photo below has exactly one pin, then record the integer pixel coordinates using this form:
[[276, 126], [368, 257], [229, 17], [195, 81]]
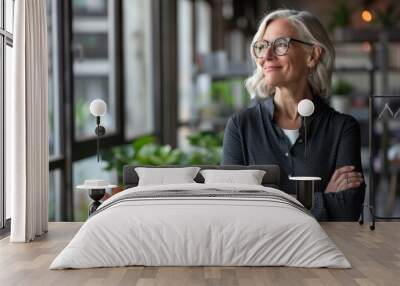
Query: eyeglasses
[[279, 46]]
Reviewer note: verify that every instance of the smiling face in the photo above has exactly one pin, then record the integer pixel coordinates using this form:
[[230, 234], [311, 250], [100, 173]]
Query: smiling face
[[290, 69]]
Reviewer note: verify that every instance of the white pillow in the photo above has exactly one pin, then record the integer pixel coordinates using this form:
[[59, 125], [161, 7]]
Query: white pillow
[[163, 176], [248, 177]]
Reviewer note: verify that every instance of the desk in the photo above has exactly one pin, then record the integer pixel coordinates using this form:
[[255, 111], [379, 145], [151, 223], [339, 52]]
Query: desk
[[374, 255]]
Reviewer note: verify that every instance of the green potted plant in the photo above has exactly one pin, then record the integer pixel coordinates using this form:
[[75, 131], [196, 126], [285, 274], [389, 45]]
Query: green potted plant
[[221, 100], [340, 22], [206, 150], [388, 16], [341, 95], [341, 16], [142, 151]]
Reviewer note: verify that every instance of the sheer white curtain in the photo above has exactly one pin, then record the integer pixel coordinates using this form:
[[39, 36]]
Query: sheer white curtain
[[27, 123]]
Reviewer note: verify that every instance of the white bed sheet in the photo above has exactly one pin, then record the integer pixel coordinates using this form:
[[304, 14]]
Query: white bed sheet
[[202, 232]]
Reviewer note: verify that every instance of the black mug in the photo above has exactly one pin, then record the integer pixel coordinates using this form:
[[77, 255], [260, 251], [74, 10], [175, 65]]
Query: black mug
[[305, 188]]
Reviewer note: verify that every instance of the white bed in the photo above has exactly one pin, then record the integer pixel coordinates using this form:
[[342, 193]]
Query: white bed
[[185, 230]]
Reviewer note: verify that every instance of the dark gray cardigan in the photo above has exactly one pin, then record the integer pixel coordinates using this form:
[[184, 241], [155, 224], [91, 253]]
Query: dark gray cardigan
[[253, 138]]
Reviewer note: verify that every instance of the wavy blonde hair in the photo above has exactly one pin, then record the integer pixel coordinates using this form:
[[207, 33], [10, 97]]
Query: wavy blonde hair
[[310, 30]]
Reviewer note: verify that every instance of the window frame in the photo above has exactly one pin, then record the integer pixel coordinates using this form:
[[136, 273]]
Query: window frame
[[6, 39], [164, 94], [74, 150]]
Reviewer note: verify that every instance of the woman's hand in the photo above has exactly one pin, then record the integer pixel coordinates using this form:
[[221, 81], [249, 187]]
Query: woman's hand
[[344, 178]]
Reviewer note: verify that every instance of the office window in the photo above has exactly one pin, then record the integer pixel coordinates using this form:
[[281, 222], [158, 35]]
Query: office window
[[6, 43], [138, 67], [188, 102], [2, 171], [9, 62], [54, 195], [9, 16], [89, 8], [53, 81], [2, 137], [194, 41], [96, 47], [187, 98], [93, 63]]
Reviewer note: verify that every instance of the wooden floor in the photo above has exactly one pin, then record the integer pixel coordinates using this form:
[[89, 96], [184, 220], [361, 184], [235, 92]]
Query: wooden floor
[[375, 256]]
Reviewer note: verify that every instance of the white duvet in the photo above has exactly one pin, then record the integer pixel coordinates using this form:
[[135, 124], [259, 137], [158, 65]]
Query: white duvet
[[200, 231]]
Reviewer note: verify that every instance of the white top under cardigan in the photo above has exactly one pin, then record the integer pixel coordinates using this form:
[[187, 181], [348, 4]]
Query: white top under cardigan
[[292, 134]]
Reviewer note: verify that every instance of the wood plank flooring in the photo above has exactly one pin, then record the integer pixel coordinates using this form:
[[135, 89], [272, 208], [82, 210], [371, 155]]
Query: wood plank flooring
[[375, 256]]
